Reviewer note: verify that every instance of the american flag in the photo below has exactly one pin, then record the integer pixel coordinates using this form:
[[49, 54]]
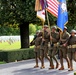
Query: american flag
[[53, 7]]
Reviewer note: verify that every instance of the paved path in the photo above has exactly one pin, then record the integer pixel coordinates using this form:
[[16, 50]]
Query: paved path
[[25, 67]]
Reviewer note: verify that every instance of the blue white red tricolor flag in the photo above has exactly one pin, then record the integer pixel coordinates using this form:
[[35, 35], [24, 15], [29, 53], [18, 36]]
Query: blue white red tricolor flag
[[62, 14]]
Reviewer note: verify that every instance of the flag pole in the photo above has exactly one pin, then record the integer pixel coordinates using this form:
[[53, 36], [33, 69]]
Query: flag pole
[[48, 23], [43, 29]]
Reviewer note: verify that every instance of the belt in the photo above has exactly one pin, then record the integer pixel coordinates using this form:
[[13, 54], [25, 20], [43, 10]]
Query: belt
[[72, 46], [55, 44], [37, 46]]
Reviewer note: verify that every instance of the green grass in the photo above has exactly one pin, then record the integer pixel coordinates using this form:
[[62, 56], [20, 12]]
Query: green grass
[[6, 46], [2, 62]]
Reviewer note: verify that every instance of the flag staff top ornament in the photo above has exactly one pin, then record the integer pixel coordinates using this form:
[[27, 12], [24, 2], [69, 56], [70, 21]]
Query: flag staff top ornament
[[62, 15]]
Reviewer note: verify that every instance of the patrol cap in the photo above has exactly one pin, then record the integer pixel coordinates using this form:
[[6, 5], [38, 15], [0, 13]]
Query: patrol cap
[[65, 27], [73, 31], [46, 26], [53, 27]]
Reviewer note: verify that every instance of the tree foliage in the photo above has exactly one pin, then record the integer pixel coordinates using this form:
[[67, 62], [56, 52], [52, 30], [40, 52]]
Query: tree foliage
[[32, 29], [9, 30], [71, 4], [17, 11]]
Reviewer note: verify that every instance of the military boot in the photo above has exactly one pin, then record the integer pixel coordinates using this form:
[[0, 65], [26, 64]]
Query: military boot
[[51, 67], [71, 69], [61, 68], [42, 67], [36, 66], [57, 65]]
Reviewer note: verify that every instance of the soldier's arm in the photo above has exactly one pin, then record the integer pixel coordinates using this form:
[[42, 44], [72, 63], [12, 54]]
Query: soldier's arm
[[56, 38]]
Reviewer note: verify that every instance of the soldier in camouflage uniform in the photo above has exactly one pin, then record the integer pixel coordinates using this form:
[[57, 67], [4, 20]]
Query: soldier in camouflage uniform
[[44, 45], [63, 50], [71, 42], [37, 41], [54, 38]]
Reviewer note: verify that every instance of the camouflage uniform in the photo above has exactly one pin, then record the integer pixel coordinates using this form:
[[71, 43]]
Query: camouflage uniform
[[53, 49], [72, 48], [63, 50]]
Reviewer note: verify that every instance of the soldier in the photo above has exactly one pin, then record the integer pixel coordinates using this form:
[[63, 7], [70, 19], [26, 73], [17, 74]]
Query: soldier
[[71, 42], [37, 41], [63, 50], [44, 45], [32, 42], [54, 38]]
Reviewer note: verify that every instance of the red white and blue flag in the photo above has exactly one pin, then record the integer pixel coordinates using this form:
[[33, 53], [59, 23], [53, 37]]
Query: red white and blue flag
[[53, 7]]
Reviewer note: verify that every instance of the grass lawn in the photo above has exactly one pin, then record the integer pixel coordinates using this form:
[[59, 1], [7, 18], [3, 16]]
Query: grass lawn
[[6, 46], [2, 62]]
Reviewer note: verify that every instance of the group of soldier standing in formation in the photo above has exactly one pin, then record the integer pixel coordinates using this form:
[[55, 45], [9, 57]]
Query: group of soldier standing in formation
[[49, 42]]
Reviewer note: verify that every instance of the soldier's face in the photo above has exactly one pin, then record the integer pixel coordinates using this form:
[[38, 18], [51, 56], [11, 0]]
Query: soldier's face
[[64, 30], [45, 28], [73, 34], [53, 29]]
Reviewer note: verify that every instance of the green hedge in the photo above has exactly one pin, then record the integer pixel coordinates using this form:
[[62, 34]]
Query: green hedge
[[21, 54], [74, 73]]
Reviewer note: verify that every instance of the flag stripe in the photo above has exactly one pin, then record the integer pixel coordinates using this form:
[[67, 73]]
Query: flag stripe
[[53, 7]]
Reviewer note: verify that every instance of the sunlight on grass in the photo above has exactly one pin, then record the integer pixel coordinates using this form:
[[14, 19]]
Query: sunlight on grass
[[7, 46], [2, 62]]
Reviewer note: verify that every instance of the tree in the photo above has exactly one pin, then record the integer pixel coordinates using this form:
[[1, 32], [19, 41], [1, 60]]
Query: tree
[[32, 29], [20, 12], [72, 13]]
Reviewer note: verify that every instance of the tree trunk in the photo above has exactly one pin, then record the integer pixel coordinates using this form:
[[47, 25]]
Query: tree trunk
[[24, 34]]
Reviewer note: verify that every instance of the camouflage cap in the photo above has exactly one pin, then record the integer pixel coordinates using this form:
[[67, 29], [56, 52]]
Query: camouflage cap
[[73, 31]]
